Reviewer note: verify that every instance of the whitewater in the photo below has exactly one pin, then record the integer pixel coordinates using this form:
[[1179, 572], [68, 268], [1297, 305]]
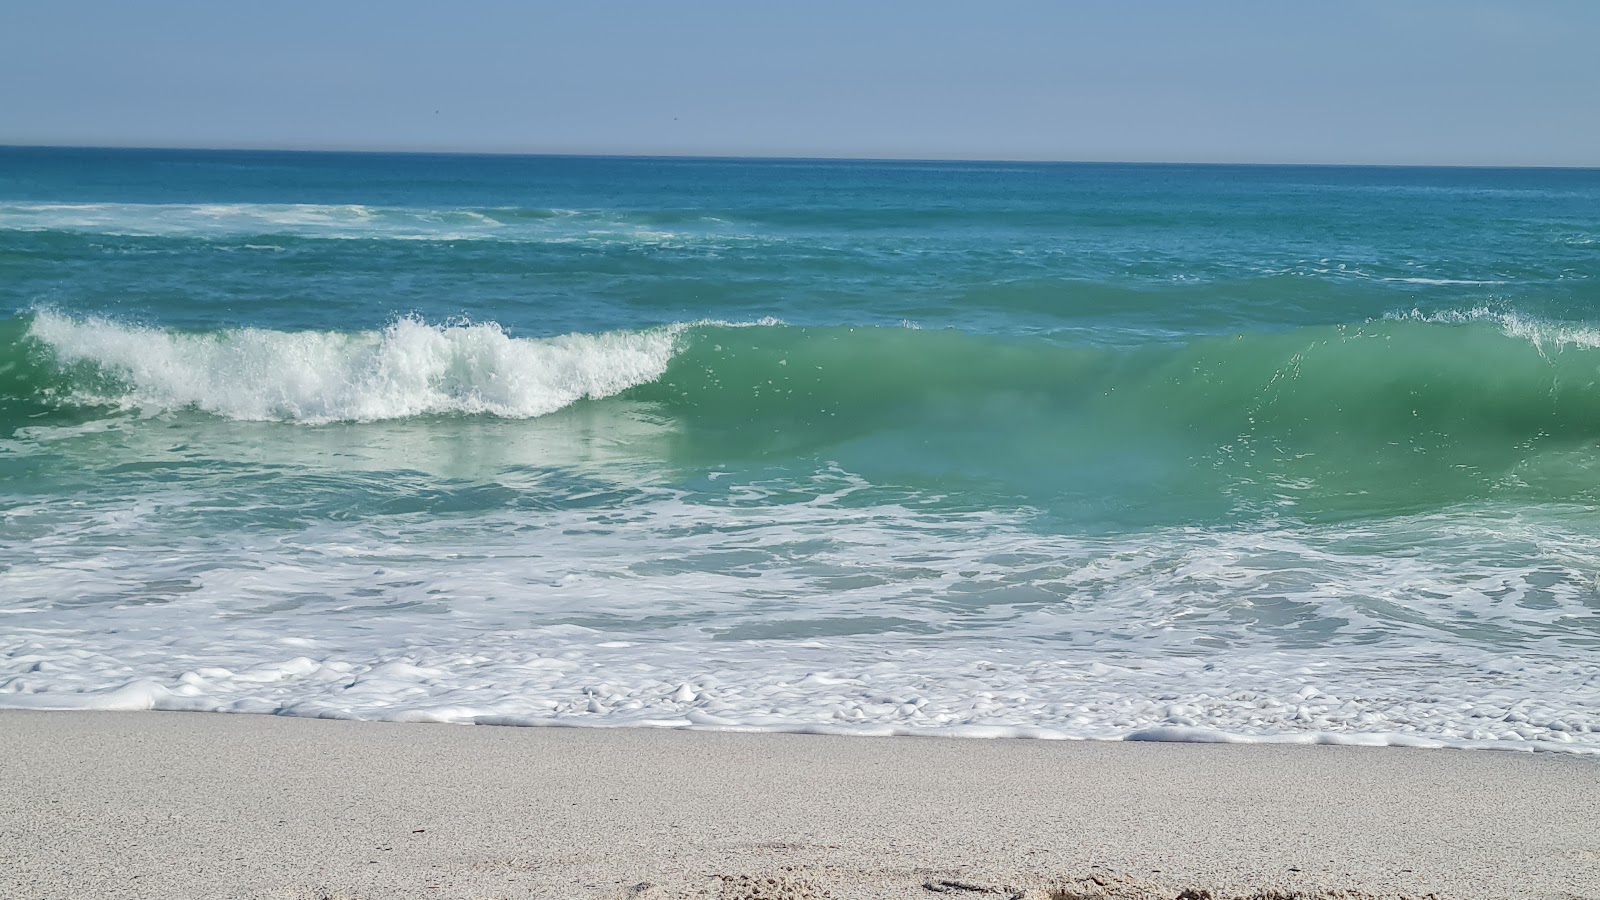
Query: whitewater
[[990, 450]]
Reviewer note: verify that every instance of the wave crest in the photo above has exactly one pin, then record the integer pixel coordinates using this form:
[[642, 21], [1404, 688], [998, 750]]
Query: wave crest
[[1540, 333], [410, 368]]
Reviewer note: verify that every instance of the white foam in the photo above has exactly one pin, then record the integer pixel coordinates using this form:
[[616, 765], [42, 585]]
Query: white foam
[[410, 368], [1417, 279], [829, 615], [360, 222], [1541, 334]]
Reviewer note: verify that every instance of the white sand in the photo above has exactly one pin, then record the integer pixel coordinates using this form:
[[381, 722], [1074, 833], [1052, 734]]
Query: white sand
[[173, 805]]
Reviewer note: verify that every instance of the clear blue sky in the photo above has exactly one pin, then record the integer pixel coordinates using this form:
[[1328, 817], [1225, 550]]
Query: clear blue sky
[[1363, 81]]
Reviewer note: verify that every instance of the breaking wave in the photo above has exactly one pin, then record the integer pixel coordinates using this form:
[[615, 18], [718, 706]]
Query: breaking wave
[[410, 368], [1439, 379]]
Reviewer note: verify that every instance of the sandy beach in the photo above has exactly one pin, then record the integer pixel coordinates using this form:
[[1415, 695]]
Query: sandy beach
[[175, 805]]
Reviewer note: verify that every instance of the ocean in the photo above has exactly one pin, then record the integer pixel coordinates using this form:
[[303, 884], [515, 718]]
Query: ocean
[[1255, 453]]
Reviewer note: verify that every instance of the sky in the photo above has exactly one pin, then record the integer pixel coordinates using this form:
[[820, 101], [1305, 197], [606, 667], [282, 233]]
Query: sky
[[1442, 82]]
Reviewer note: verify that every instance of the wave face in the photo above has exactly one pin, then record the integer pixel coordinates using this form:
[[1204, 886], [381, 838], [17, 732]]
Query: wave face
[[1401, 378], [1388, 380], [1001, 450], [1351, 417]]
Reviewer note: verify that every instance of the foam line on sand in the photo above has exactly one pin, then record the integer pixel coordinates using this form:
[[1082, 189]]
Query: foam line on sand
[[174, 805]]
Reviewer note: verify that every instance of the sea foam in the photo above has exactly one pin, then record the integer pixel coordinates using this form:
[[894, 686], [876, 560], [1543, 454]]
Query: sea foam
[[1542, 334], [358, 222], [410, 368], [661, 612]]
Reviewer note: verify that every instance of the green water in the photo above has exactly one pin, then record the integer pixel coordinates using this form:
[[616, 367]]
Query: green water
[[890, 420]]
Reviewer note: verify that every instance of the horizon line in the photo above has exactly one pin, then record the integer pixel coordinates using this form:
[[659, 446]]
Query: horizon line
[[777, 157]]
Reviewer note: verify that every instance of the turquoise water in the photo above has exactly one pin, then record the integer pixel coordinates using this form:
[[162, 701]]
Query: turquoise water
[[1289, 453]]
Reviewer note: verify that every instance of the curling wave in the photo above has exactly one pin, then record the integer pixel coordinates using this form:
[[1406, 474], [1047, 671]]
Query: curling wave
[[1438, 380], [410, 368]]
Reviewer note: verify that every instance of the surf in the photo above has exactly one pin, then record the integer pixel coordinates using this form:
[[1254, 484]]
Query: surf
[[1388, 415], [1399, 378], [409, 368]]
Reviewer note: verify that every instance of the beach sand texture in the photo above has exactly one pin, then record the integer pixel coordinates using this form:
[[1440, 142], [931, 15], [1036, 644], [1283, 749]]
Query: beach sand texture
[[175, 805]]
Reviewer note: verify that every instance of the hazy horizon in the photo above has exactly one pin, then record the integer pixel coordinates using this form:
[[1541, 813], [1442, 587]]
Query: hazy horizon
[[1432, 83], [513, 154]]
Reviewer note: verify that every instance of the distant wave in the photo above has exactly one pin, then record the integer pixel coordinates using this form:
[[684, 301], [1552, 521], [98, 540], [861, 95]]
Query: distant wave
[[362, 222]]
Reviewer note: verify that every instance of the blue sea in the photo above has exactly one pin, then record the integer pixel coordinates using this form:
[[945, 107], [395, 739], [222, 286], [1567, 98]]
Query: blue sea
[[1256, 453]]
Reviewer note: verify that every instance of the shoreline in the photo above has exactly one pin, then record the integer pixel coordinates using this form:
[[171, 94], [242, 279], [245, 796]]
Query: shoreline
[[144, 697], [173, 805]]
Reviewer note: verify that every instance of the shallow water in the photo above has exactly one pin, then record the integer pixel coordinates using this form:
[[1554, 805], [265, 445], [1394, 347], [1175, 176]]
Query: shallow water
[[1170, 452]]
